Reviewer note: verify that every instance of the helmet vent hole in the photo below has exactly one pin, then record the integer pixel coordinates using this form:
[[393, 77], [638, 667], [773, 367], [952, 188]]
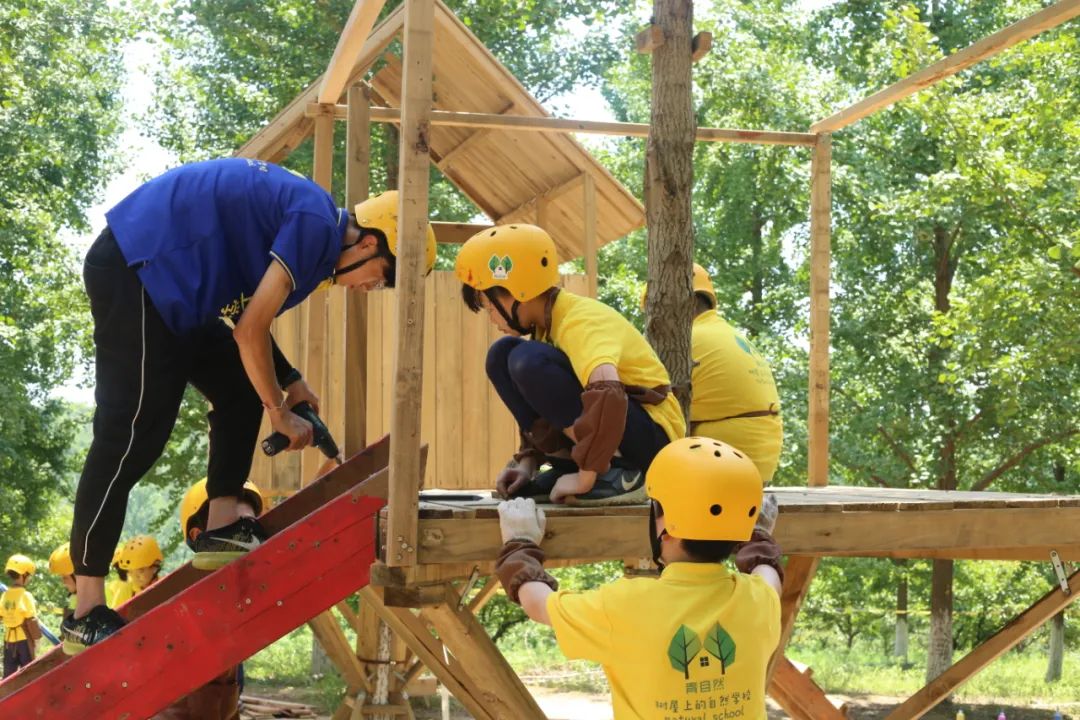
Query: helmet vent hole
[[716, 509], [753, 510], [544, 262], [513, 227], [493, 233], [737, 454], [695, 446], [717, 453]]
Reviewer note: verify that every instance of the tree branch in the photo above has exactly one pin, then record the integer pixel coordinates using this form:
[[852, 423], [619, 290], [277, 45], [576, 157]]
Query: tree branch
[[1016, 459], [897, 449]]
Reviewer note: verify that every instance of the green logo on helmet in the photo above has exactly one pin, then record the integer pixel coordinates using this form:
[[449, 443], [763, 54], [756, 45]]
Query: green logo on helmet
[[500, 267]]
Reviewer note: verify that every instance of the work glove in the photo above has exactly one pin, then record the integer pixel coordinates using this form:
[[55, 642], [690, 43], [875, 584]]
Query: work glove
[[766, 519], [520, 519]]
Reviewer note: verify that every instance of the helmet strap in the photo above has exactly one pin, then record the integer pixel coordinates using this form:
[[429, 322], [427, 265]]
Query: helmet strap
[[654, 539], [511, 317]]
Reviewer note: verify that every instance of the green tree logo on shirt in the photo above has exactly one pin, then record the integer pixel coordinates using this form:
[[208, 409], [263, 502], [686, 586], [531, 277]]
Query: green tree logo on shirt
[[686, 645]]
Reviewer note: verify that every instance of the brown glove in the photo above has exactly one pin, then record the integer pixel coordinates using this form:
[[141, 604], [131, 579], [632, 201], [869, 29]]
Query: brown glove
[[760, 549], [600, 428], [32, 630], [519, 562]]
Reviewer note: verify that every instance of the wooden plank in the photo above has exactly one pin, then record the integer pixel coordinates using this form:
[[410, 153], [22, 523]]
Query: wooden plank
[[430, 652], [350, 43], [474, 399], [339, 376], [281, 131], [326, 630], [357, 186], [700, 45], [428, 408], [798, 574], [534, 205], [544, 124], [1001, 642], [405, 471], [987, 47], [453, 233], [649, 39], [466, 638], [800, 696], [589, 229], [447, 365], [820, 220]]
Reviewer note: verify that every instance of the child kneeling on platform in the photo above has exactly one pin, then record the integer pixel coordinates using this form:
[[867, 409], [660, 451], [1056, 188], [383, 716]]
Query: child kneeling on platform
[[698, 638], [589, 394]]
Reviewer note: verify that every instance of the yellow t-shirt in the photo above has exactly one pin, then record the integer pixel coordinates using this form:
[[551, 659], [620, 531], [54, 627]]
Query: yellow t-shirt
[[693, 644], [730, 377], [16, 607], [118, 592], [593, 334]]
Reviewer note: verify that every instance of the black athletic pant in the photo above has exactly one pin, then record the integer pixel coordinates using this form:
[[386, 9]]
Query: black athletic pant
[[16, 655], [142, 370]]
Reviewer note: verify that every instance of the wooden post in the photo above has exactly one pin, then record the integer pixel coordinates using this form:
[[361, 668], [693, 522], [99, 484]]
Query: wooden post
[[357, 187], [820, 219], [669, 178], [589, 244], [350, 42], [405, 471]]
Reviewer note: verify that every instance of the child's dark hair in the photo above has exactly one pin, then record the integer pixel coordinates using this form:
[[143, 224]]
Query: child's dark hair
[[13, 575], [471, 295], [703, 551], [702, 303], [382, 249]]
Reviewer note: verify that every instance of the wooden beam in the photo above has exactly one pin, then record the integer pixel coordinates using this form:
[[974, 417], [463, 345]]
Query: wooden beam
[[350, 43], [329, 634], [483, 597], [447, 160], [700, 45], [1001, 642], [798, 574], [589, 230], [357, 187], [452, 233], [649, 39], [281, 131], [820, 220], [534, 205], [415, 159], [531, 123], [987, 47], [800, 696]]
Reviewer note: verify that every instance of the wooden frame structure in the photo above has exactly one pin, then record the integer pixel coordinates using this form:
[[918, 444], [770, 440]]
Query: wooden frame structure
[[428, 548]]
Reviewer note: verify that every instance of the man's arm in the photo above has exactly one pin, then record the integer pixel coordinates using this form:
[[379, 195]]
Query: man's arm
[[252, 335], [761, 554], [520, 565], [533, 597]]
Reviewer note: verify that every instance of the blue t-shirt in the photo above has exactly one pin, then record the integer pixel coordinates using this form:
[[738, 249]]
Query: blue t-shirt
[[201, 237]]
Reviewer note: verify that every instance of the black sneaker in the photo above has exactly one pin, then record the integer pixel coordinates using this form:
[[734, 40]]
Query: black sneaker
[[217, 548], [92, 628], [617, 486], [544, 481]]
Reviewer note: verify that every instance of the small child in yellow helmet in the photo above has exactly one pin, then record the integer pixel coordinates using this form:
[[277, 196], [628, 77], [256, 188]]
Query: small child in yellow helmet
[[219, 699], [60, 564], [118, 590], [699, 638], [589, 394], [19, 615], [735, 398], [141, 559]]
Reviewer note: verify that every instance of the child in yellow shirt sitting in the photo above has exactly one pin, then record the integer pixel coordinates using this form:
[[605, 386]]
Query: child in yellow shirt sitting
[[60, 564], [589, 394]]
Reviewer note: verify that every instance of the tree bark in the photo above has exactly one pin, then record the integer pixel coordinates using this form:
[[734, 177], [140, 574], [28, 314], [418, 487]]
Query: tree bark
[[669, 178], [1057, 648], [900, 641], [940, 650]]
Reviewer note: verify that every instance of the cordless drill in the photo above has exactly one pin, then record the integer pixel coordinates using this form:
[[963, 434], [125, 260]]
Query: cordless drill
[[321, 439]]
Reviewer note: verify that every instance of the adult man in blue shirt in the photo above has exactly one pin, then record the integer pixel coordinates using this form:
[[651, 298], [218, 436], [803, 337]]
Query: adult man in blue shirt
[[183, 285]]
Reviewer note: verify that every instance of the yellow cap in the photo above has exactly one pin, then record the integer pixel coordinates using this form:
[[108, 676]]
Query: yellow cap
[[381, 213], [519, 257], [139, 552], [708, 490], [60, 561], [20, 564], [196, 496]]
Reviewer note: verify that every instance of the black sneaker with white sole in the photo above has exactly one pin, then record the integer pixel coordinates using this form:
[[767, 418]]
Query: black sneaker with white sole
[[219, 547], [90, 629], [544, 481], [617, 486]]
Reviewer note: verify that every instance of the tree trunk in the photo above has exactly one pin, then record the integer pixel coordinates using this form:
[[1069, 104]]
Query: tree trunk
[[669, 178], [939, 652], [320, 661], [900, 641], [1057, 648]]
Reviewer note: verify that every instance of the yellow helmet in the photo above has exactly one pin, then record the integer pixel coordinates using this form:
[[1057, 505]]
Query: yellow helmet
[[139, 552], [381, 213], [708, 490], [519, 257], [701, 284], [20, 564], [60, 561], [196, 497]]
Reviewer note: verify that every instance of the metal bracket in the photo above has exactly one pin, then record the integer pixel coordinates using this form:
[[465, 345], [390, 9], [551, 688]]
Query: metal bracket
[[470, 585], [1059, 570]]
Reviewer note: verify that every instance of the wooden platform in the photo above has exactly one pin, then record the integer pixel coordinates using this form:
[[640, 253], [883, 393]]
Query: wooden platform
[[834, 521]]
